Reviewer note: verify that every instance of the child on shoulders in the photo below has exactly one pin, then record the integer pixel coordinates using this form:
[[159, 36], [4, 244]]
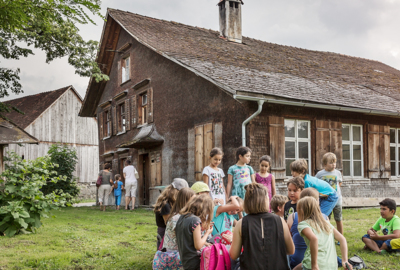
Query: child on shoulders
[[319, 236], [224, 215], [117, 187], [389, 224], [294, 186], [278, 204], [328, 196], [265, 238], [266, 178], [240, 174], [195, 217], [214, 176], [332, 176]]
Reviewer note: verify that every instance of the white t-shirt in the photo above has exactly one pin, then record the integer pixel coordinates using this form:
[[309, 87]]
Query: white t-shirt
[[129, 172], [215, 182], [333, 178]]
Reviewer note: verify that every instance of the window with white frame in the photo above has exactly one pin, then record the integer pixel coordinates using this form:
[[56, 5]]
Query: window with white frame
[[297, 142], [125, 69], [352, 142], [394, 152]]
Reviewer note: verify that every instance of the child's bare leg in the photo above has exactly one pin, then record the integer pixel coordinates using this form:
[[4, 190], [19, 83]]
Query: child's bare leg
[[384, 247], [339, 225], [298, 267], [371, 244]]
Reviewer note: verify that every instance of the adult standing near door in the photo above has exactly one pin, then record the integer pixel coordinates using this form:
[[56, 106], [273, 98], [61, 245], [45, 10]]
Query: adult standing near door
[[105, 187], [130, 175]]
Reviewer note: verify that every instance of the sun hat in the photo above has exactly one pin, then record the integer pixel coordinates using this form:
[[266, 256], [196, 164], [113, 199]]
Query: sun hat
[[200, 187], [179, 183]]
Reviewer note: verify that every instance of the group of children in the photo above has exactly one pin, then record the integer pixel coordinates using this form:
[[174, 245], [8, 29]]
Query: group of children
[[297, 235]]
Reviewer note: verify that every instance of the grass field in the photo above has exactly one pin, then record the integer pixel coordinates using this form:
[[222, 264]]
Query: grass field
[[85, 238]]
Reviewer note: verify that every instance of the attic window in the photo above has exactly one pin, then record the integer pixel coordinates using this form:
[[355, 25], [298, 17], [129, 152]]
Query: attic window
[[125, 69]]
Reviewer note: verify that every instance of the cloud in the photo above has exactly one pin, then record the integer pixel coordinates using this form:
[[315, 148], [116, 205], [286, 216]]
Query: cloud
[[362, 28]]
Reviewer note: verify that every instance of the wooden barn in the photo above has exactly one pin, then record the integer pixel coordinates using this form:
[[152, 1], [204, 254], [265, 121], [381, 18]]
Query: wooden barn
[[175, 91], [52, 117]]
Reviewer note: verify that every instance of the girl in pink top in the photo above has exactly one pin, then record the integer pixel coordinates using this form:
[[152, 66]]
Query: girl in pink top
[[265, 178]]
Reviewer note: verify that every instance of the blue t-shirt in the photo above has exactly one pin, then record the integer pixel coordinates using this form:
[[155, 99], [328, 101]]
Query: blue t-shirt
[[118, 191], [223, 222], [241, 176], [320, 185]]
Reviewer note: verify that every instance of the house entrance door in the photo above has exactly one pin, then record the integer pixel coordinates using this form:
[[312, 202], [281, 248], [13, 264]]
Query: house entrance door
[[144, 179]]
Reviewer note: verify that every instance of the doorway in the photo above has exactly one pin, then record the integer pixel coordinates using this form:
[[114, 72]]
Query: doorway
[[144, 179]]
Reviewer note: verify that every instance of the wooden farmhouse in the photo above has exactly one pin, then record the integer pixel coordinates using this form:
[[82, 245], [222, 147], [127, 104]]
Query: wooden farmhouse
[[52, 117], [176, 91]]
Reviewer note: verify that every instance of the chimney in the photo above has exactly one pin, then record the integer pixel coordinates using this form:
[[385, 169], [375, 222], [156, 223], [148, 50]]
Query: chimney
[[230, 19]]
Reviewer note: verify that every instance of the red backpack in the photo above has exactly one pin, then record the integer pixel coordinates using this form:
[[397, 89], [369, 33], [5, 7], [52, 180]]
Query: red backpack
[[215, 257]]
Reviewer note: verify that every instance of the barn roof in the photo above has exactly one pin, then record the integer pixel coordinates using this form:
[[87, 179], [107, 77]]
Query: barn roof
[[262, 68], [10, 133], [33, 106]]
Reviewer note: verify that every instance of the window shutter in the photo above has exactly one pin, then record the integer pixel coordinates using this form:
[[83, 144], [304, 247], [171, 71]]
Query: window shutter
[[198, 156], [119, 72], [114, 119], [208, 143], [134, 111], [101, 123], [378, 151], [127, 115], [150, 106], [328, 139], [277, 145]]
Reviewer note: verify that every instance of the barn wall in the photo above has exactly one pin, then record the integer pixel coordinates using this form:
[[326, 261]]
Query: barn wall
[[60, 123]]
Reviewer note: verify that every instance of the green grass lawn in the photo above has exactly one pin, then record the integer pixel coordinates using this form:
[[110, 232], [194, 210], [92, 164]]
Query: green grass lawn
[[85, 238]]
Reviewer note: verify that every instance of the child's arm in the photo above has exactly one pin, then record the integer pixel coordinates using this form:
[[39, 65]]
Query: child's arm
[[205, 178], [394, 235], [112, 188], [229, 185], [343, 246], [229, 207], [199, 241], [288, 238], [307, 232], [236, 246], [253, 178], [273, 190], [290, 221]]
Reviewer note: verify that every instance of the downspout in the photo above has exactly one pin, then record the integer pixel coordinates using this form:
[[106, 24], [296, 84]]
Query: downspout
[[260, 104]]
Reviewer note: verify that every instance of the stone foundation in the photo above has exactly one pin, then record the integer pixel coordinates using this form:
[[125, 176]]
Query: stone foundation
[[87, 191]]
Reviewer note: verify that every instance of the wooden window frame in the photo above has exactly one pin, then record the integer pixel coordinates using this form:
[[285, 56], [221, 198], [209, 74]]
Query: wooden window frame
[[396, 146], [107, 132], [296, 140], [121, 125], [351, 143], [125, 69], [142, 108]]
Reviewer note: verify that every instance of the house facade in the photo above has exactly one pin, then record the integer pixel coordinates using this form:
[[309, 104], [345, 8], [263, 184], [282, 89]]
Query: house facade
[[52, 117], [176, 91]]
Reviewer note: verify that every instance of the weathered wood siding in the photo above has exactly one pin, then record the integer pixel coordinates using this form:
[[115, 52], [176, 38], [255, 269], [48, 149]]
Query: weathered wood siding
[[61, 123]]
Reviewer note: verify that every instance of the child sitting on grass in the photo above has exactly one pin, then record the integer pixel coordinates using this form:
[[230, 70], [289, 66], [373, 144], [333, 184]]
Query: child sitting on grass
[[117, 187], [224, 215], [389, 224], [278, 204], [319, 236], [294, 186]]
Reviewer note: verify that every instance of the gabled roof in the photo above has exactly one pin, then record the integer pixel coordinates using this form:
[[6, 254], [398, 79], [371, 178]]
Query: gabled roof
[[258, 67], [10, 133], [34, 105]]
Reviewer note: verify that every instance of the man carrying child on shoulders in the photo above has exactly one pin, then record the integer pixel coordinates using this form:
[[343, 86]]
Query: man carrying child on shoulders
[[389, 224]]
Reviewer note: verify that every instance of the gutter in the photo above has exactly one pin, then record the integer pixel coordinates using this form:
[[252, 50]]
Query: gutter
[[245, 122]]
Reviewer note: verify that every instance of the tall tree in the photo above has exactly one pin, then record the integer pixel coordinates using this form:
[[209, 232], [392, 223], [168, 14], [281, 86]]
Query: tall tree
[[51, 26]]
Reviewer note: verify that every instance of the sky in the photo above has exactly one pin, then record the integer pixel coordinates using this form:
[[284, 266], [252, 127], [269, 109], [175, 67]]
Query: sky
[[361, 28]]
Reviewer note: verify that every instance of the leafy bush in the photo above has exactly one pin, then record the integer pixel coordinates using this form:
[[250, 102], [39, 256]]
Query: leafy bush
[[66, 159], [22, 203]]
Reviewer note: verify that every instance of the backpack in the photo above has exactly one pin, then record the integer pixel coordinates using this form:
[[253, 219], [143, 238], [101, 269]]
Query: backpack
[[215, 257], [357, 262]]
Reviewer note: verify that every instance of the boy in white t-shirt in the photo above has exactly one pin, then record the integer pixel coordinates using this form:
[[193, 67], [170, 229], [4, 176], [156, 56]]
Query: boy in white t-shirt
[[332, 176], [131, 176]]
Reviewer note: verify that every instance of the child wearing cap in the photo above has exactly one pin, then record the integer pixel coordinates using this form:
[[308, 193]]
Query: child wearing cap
[[200, 188], [389, 224]]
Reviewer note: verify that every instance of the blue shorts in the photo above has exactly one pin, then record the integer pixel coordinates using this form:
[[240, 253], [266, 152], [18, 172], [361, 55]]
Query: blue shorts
[[118, 200], [380, 242], [327, 204]]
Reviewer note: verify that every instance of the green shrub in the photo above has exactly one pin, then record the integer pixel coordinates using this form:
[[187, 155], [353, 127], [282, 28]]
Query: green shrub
[[22, 203], [66, 159]]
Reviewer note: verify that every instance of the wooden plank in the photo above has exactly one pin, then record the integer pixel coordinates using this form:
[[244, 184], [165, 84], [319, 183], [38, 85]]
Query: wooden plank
[[336, 143], [384, 151], [127, 115], [159, 169], [277, 146], [322, 142], [373, 151], [101, 124], [153, 170], [114, 120], [1, 158], [208, 143], [134, 111], [150, 106], [198, 156]]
